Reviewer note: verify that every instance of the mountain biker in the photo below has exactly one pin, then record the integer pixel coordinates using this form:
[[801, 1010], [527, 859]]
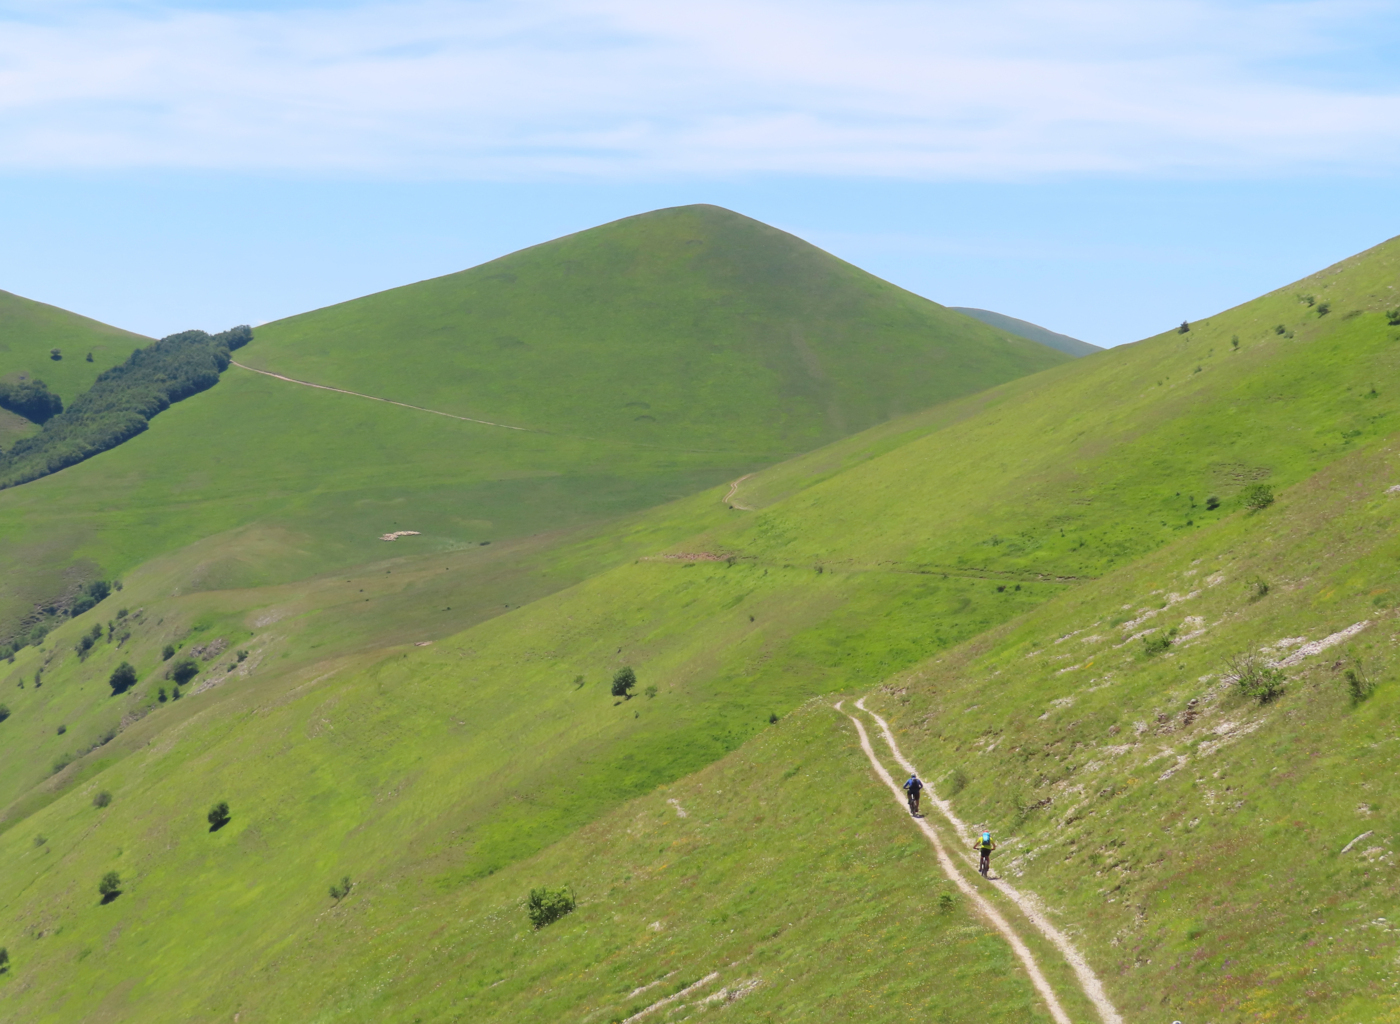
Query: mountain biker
[[985, 846], [914, 787]]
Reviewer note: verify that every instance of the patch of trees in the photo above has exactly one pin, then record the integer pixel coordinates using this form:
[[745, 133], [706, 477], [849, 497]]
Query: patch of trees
[[121, 402], [34, 627], [31, 399]]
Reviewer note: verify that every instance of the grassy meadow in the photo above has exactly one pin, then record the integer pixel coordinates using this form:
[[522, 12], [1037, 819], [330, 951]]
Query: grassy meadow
[[991, 567]]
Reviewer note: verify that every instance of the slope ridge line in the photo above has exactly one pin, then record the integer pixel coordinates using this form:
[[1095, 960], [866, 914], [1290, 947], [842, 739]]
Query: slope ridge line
[[1089, 982], [1038, 979]]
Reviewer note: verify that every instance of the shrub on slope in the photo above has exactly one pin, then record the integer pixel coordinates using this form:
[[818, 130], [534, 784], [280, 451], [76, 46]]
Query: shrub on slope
[[122, 401]]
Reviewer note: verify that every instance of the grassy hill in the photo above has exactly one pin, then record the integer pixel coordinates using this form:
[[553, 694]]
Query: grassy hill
[[29, 330], [692, 327], [656, 360], [936, 559], [1026, 329]]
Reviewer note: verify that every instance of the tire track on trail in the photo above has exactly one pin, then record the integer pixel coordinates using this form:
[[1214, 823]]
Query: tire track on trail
[[1089, 982]]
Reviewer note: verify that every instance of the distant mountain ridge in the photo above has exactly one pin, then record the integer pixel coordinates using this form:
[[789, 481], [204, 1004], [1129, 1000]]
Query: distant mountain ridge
[[1026, 329]]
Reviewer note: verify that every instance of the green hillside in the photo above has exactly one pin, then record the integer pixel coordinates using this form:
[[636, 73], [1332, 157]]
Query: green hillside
[[29, 330], [1026, 329], [692, 327], [665, 368], [935, 560]]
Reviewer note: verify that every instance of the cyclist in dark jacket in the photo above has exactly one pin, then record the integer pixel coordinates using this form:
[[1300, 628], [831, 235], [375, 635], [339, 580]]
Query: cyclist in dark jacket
[[914, 787]]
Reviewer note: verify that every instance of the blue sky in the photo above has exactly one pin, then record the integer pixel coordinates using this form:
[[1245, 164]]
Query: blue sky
[[1104, 168]]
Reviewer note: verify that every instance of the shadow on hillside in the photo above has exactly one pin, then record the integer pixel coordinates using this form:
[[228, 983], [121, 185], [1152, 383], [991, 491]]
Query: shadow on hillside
[[109, 897]]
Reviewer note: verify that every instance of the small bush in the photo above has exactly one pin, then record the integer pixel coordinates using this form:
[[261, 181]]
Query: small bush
[[167, 652], [4, 712], [4, 959], [1154, 645], [122, 679], [242, 657], [1255, 678], [110, 887], [183, 671], [341, 889], [772, 718], [651, 691], [161, 695], [1280, 329], [545, 906], [624, 682], [1235, 341], [89, 357], [1359, 682], [102, 799], [1212, 503], [1184, 328], [121, 613], [61, 762], [1259, 588], [1323, 308], [946, 902], [40, 839], [175, 693], [957, 782], [1392, 317], [1257, 497], [56, 354], [62, 729], [219, 816]]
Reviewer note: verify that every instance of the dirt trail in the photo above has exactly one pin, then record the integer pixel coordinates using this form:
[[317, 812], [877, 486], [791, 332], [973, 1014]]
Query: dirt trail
[[978, 900], [387, 401], [492, 423], [734, 489], [1089, 982]]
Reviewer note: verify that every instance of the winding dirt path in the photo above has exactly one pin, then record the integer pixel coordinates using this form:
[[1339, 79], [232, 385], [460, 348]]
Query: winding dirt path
[[387, 401], [734, 489], [1089, 982]]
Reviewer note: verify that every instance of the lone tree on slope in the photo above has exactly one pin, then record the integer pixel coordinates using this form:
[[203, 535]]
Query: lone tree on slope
[[219, 816], [624, 683], [110, 887], [123, 678]]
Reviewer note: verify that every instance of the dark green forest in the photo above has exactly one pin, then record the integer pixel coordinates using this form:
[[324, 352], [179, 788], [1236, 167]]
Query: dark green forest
[[31, 399], [120, 402]]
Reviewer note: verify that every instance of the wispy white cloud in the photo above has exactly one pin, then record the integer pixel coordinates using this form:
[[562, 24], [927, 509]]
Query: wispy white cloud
[[910, 88]]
